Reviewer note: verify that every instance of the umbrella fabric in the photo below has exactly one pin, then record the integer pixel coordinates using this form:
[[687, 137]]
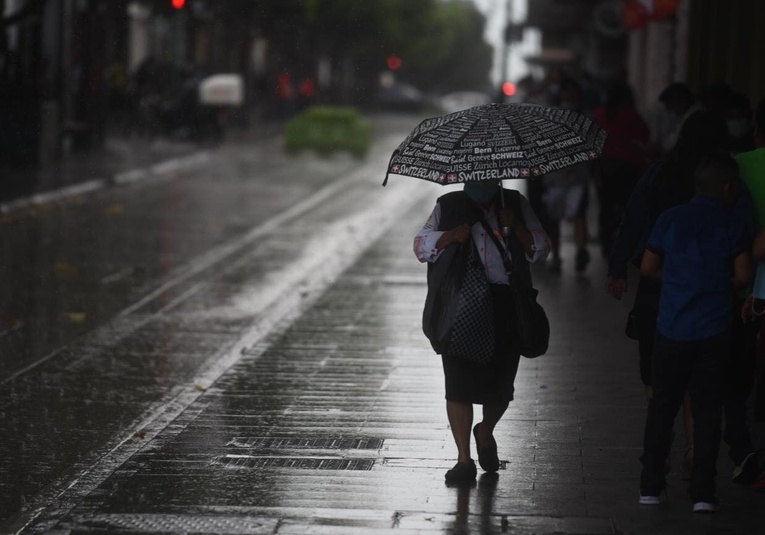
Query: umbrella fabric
[[497, 142]]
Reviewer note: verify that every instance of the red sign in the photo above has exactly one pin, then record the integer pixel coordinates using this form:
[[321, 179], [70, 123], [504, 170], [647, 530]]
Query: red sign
[[663, 9], [634, 14]]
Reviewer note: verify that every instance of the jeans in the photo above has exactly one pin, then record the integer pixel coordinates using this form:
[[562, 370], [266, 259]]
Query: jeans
[[700, 366]]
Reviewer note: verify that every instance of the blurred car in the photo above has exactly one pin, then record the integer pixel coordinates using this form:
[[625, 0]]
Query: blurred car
[[400, 96], [462, 100]]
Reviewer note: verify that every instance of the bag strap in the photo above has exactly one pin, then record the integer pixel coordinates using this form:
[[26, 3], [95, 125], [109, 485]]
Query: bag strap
[[502, 253]]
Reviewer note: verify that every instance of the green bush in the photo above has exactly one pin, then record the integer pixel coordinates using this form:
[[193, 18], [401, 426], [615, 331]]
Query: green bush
[[327, 129]]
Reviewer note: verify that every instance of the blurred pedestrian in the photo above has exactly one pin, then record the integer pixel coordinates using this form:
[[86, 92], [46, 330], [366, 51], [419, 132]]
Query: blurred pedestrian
[[665, 184], [553, 86], [747, 371], [734, 107], [680, 103], [285, 95], [566, 195], [623, 159], [528, 90], [750, 471], [456, 218], [306, 92], [700, 250], [738, 116], [565, 198]]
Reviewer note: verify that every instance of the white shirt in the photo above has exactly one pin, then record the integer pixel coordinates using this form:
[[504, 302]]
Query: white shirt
[[426, 239]]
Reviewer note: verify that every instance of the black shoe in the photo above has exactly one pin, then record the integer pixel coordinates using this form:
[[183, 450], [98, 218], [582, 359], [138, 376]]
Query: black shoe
[[581, 260], [462, 473], [487, 456]]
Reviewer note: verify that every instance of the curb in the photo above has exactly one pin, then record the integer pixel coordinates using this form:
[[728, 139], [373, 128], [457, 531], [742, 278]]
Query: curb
[[157, 170]]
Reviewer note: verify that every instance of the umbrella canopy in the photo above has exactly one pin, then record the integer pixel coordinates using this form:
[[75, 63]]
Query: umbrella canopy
[[495, 142]]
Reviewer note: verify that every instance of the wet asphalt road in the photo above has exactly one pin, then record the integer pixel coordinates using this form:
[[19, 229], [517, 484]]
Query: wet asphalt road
[[237, 349]]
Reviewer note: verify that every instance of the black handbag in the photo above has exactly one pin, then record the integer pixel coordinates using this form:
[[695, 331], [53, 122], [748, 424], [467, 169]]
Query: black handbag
[[532, 325], [632, 328], [532, 328], [458, 314]]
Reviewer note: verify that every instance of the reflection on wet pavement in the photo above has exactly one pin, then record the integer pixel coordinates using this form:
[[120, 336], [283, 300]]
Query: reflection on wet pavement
[[337, 425], [82, 395], [333, 420]]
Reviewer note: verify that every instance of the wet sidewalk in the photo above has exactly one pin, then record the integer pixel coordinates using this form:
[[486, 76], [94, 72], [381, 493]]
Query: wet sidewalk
[[334, 423], [120, 160]]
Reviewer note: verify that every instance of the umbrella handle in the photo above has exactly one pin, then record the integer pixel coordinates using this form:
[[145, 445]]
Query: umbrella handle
[[506, 231]]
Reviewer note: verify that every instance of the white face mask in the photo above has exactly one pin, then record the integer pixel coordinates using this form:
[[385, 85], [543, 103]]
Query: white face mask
[[738, 128]]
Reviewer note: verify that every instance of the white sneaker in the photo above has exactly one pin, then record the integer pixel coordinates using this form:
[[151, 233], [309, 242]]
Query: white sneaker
[[649, 499], [706, 507]]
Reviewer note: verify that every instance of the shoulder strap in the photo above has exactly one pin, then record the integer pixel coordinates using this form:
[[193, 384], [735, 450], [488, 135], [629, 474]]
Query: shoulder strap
[[508, 263], [513, 199]]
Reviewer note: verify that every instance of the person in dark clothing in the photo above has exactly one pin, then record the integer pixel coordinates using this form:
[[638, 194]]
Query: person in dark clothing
[[738, 116], [666, 184], [456, 218], [701, 251], [680, 103], [747, 369], [622, 162]]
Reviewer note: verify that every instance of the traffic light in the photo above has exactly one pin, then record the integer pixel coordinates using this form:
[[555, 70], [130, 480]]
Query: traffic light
[[394, 63], [178, 4]]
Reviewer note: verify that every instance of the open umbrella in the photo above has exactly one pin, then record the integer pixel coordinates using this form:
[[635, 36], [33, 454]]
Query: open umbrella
[[495, 142]]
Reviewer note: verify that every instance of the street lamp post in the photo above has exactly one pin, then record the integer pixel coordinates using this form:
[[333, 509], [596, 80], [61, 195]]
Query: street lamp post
[[504, 56]]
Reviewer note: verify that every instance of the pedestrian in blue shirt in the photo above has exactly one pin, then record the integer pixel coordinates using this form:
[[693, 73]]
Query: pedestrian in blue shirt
[[701, 253]]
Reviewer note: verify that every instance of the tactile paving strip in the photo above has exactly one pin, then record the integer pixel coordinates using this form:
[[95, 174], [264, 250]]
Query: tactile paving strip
[[154, 523], [311, 444], [247, 462]]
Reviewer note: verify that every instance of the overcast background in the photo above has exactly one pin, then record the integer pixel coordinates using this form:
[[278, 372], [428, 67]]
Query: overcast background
[[496, 12]]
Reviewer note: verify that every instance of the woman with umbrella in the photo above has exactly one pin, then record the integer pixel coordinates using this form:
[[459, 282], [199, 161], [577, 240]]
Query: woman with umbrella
[[456, 218], [479, 147]]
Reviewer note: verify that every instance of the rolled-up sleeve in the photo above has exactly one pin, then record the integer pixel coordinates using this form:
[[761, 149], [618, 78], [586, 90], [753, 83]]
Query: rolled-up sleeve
[[541, 246], [426, 239]]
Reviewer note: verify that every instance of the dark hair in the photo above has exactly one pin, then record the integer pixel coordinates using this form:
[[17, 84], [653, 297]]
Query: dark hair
[[714, 172], [759, 116], [738, 101], [618, 94], [677, 92], [715, 96], [703, 133]]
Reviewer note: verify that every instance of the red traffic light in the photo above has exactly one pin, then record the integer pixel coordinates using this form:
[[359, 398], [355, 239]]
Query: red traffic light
[[394, 63], [178, 4], [508, 89]]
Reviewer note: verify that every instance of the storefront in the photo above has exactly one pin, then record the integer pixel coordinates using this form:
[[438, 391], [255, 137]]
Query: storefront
[[697, 42]]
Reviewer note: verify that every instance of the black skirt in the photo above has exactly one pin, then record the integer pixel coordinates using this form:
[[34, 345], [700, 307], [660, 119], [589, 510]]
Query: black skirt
[[468, 382]]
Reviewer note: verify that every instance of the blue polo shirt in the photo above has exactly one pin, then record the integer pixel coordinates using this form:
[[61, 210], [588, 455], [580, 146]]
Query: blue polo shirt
[[698, 242]]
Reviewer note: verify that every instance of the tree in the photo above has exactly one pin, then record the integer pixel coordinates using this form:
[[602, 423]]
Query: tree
[[451, 54], [441, 42]]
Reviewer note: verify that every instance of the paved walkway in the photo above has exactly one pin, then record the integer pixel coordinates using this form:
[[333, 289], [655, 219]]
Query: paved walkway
[[321, 406], [335, 424]]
